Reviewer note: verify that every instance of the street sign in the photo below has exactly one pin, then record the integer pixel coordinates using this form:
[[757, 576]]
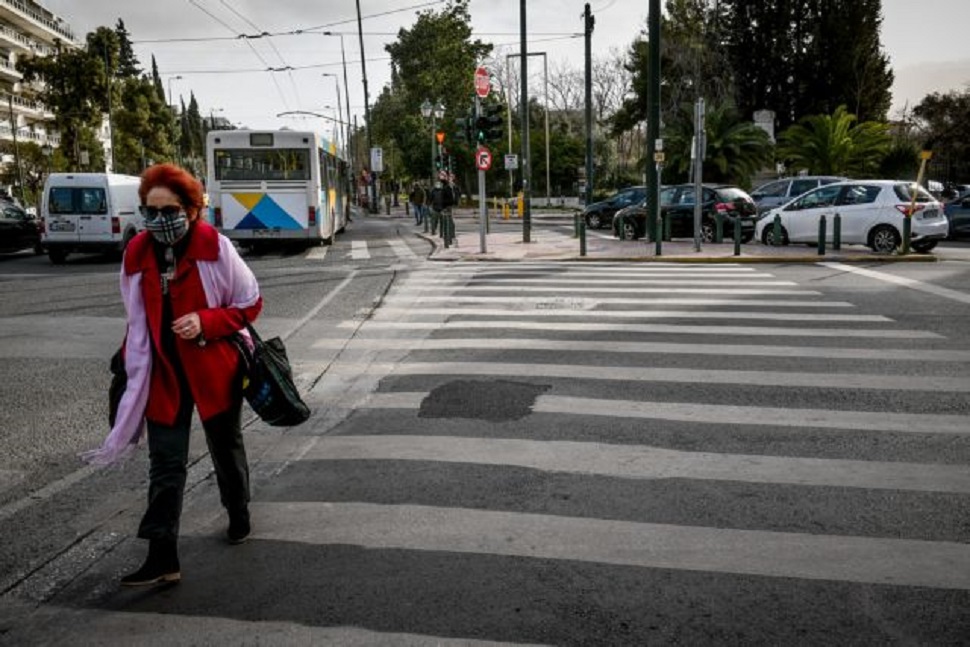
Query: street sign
[[377, 159], [658, 157], [483, 158], [483, 82], [511, 162]]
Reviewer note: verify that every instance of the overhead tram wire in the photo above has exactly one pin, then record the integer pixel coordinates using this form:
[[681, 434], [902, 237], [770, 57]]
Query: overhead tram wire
[[289, 73], [292, 32], [262, 60]]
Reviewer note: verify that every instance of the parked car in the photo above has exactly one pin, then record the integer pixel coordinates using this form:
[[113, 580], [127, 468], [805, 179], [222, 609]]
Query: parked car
[[18, 229], [871, 213], [677, 204], [779, 192], [599, 214], [958, 214]]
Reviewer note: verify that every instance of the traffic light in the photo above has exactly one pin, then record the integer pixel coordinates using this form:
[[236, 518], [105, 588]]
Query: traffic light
[[488, 126], [465, 129], [437, 162]]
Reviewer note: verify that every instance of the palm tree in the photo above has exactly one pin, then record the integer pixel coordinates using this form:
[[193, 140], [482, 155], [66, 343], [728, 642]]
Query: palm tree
[[835, 145], [736, 149]]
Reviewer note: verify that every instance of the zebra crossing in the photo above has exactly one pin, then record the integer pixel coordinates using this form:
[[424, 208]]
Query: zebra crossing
[[394, 248], [591, 453]]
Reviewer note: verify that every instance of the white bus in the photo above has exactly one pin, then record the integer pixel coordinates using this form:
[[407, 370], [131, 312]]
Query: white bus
[[275, 186]]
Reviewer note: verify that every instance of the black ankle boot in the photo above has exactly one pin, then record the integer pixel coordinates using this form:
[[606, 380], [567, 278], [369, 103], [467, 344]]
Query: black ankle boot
[[239, 527], [161, 566]]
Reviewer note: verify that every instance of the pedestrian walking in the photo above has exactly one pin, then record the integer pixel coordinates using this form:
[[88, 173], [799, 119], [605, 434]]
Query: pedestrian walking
[[186, 292], [417, 199], [442, 199]]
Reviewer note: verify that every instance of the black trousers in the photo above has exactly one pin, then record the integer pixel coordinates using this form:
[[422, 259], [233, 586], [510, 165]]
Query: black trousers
[[168, 451]]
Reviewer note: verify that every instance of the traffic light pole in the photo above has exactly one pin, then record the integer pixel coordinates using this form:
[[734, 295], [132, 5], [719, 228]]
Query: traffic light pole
[[482, 207]]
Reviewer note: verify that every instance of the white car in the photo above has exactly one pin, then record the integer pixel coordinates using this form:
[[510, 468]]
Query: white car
[[871, 213]]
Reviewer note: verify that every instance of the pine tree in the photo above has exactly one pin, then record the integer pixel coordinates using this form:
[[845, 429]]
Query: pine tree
[[157, 82], [127, 62]]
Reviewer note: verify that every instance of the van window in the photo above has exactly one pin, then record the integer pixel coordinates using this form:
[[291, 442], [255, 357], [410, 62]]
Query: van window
[[86, 200]]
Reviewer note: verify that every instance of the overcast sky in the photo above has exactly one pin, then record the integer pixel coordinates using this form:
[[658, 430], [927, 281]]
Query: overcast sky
[[926, 42]]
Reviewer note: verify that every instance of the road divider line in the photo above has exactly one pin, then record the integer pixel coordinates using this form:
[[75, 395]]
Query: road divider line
[[913, 284], [871, 560]]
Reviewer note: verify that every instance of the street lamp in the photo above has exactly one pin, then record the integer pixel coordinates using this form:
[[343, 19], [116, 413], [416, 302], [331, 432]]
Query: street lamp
[[351, 153], [340, 112], [434, 112], [170, 79]]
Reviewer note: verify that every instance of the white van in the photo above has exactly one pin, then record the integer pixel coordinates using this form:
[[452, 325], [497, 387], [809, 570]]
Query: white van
[[89, 212]]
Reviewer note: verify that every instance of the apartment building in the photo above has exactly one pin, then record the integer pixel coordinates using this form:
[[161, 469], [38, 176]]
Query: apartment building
[[27, 28]]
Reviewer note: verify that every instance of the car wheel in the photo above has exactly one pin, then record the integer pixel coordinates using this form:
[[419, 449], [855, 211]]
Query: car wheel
[[884, 239], [57, 256], [38, 249], [630, 230], [708, 231], [594, 221], [768, 236], [924, 246]]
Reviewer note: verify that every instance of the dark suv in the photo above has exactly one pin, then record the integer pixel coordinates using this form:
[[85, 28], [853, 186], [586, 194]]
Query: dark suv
[[677, 204], [600, 214]]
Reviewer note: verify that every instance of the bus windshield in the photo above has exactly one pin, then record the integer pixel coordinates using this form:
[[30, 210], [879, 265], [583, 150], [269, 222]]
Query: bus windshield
[[248, 164]]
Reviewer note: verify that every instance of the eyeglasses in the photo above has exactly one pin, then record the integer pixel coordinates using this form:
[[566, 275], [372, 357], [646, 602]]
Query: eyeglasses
[[169, 211]]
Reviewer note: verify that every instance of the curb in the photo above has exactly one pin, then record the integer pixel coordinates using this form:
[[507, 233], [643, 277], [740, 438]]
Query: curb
[[686, 260]]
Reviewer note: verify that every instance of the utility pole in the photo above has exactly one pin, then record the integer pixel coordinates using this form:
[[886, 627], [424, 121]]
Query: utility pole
[[524, 117], [371, 183], [588, 22], [653, 115], [16, 150]]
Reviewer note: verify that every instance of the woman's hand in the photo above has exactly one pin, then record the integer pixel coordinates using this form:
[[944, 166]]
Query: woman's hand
[[188, 326]]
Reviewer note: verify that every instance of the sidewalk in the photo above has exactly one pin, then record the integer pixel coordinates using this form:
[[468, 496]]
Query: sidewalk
[[504, 243]]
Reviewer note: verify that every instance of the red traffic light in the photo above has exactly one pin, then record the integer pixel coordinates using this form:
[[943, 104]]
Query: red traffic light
[[440, 136]]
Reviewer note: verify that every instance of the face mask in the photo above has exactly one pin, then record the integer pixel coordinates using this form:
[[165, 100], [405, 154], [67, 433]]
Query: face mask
[[167, 225]]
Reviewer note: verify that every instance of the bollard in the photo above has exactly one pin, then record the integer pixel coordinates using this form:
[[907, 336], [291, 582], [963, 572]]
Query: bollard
[[425, 216], [737, 236], [576, 224], [821, 235], [776, 230], [718, 227], [620, 234], [837, 232], [443, 230], [907, 234], [582, 237]]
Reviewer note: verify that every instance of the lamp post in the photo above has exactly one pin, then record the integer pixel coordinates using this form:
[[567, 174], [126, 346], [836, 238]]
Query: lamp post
[[343, 60], [435, 112], [340, 112], [545, 73], [170, 79]]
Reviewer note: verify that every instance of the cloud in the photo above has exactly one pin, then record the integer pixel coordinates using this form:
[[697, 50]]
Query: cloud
[[914, 82]]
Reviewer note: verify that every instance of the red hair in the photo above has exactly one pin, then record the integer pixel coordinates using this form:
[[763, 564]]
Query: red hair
[[178, 181]]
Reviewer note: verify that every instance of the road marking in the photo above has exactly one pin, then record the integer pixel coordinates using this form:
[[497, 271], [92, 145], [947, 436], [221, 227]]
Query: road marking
[[720, 414], [358, 250], [568, 282], [897, 562], [317, 253], [644, 462], [669, 301], [708, 376], [46, 492], [546, 307], [671, 329], [402, 250], [736, 350], [939, 291]]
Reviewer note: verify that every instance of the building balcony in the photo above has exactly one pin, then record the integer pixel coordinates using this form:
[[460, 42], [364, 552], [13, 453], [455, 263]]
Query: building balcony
[[16, 41], [8, 72], [25, 135], [36, 21]]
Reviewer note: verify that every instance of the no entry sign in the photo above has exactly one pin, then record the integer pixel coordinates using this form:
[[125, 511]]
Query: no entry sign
[[483, 82], [483, 158]]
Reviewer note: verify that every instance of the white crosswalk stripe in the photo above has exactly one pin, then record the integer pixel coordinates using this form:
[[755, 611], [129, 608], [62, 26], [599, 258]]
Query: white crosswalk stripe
[[359, 250]]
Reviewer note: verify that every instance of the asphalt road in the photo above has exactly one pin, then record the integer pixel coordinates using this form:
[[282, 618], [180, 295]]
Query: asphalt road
[[584, 453]]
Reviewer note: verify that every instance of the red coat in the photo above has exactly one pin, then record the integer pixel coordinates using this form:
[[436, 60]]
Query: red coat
[[210, 369]]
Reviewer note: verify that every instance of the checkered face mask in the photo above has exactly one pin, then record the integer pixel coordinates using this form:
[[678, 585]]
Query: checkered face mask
[[167, 224]]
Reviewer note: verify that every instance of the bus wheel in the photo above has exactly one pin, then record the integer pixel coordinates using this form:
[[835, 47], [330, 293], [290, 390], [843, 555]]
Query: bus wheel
[[57, 256]]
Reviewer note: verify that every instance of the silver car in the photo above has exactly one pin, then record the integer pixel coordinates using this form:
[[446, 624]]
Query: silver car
[[871, 213], [774, 194]]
